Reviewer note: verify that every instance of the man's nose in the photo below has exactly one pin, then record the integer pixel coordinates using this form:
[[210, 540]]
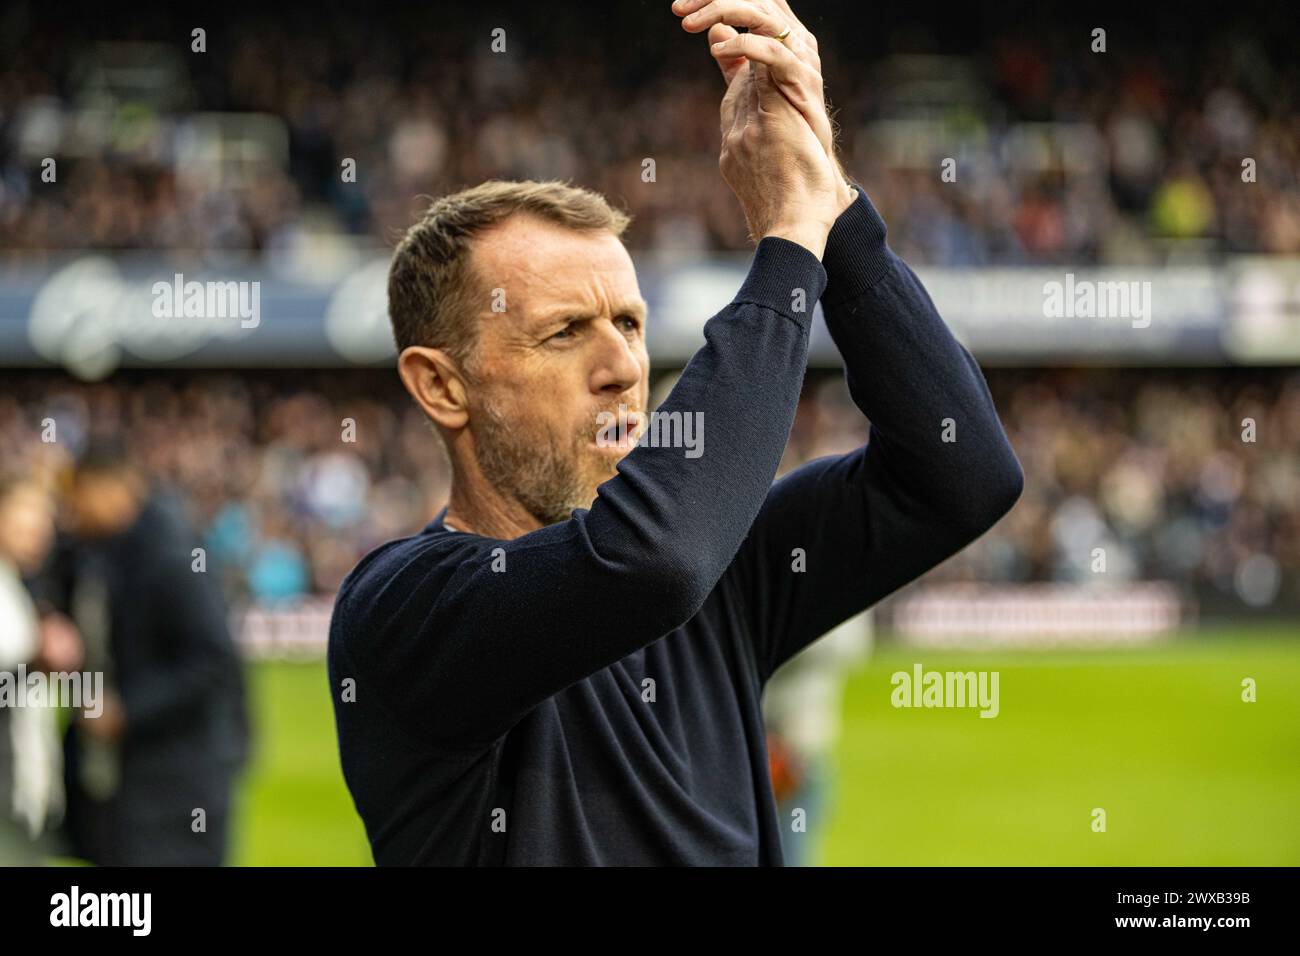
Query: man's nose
[[617, 366]]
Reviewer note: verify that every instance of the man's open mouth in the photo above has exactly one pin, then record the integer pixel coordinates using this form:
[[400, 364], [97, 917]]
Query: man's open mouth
[[620, 432]]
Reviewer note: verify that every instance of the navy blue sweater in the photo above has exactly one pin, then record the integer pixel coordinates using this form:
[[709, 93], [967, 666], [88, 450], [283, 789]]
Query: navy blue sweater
[[598, 701]]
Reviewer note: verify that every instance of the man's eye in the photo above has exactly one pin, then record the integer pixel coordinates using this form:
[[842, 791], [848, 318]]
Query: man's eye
[[564, 333], [630, 322]]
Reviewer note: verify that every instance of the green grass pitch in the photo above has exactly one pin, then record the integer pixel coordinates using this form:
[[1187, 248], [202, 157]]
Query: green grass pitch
[[1158, 737]]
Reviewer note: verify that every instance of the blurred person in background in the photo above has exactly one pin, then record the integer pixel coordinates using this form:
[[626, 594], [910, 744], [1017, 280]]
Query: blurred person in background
[[31, 789], [150, 781], [801, 711]]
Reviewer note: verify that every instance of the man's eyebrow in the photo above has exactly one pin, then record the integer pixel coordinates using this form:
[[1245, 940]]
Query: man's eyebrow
[[637, 308]]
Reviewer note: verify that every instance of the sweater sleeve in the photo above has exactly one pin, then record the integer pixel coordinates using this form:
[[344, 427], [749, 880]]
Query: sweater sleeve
[[839, 533], [462, 635]]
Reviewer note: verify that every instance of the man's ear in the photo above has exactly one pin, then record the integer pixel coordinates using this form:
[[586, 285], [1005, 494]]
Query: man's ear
[[436, 384]]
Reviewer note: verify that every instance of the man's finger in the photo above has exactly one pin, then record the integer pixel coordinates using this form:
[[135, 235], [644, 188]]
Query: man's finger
[[736, 100], [738, 13], [768, 17], [735, 70], [795, 22], [729, 66], [797, 82], [786, 71]]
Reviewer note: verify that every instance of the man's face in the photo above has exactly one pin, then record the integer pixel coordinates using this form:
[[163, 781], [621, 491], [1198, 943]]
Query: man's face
[[26, 527], [569, 346], [101, 504]]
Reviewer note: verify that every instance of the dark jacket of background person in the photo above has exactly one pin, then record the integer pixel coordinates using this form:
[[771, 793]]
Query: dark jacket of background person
[[171, 658]]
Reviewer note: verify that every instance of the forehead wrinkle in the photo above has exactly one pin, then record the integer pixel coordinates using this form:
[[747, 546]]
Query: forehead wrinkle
[[585, 297], [573, 281]]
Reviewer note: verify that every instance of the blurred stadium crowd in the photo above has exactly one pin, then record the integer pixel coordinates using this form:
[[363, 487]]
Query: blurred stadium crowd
[[1148, 464], [1063, 155]]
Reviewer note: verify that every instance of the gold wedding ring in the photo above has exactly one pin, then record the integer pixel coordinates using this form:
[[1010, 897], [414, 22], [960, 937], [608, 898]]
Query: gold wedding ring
[[783, 34]]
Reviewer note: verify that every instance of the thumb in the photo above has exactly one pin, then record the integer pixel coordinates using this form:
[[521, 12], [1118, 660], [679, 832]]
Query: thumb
[[767, 95]]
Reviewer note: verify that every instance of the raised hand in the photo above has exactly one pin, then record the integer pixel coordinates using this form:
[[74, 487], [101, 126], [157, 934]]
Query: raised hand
[[772, 158], [799, 80]]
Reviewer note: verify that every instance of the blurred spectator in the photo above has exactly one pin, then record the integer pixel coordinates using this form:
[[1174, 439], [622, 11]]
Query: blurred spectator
[[31, 788], [1149, 464], [1063, 155], [150, 778], [802, 703]]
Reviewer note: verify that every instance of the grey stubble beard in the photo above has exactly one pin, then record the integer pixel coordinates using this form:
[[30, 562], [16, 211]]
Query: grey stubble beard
[[546, 483]]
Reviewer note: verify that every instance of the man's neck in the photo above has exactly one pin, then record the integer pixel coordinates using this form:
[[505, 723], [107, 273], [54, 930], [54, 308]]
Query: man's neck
[[487, 514]]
